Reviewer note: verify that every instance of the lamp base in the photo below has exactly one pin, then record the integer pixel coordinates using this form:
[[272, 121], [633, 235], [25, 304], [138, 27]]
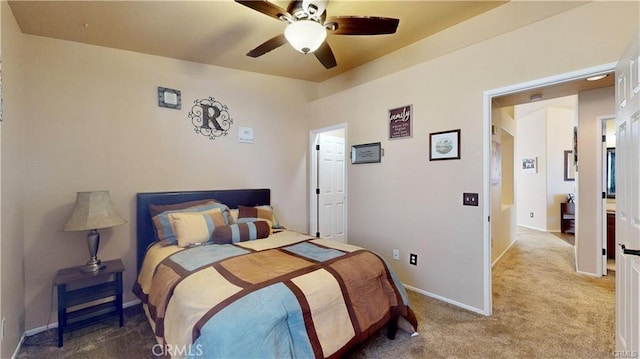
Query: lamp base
[[93, 242], [89, 268], [92, 267]]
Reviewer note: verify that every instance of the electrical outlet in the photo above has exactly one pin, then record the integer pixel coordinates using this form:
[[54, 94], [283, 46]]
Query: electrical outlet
[[470, 199], [396, 254], [413, 259], [531, 214]]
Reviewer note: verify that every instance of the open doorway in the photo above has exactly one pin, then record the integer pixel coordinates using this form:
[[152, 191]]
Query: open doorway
[[327, 173], [546, 88]]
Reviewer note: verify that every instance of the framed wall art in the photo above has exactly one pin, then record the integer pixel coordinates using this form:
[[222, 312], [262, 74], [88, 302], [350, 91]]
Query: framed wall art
[[366, 153], [444, 145], [569, 166], [400, 122], [529, 165]]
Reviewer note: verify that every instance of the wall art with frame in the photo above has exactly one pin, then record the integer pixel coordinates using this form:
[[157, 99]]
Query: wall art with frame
[[444, 145], [366, 153]]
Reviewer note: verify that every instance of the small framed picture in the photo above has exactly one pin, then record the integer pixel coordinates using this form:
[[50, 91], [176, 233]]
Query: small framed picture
[[529, 165], [444, 145], [169, 98], [366, 153]]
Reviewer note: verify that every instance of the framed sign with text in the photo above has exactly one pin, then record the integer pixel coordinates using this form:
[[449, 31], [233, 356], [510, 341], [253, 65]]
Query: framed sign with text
[[400, 122]]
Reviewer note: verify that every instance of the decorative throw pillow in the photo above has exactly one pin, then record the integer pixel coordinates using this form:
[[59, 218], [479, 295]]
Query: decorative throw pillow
[[252, 214], [195, 227], [164, 230], [156, 209], [241, 232]]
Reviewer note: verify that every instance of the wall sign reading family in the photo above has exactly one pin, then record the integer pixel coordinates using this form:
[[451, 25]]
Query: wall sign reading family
[[400, 122], [210, 118]]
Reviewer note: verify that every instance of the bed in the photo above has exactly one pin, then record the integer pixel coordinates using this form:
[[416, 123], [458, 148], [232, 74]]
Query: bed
[[252, 294]]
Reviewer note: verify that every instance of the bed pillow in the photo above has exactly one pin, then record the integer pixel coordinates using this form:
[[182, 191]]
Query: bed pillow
[[241, 232], [252, 214], [164, 230], [195, 227], [156, 209]]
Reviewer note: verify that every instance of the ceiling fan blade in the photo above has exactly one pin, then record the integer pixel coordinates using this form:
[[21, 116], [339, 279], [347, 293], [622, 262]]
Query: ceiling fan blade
[[267, 8], [325, 56], [268, 45], [362, 25]]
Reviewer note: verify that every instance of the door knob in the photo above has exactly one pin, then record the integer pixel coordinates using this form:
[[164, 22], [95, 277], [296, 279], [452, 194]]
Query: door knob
[[634, 252]]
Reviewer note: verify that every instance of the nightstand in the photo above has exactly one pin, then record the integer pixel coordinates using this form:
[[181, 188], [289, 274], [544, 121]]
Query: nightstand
[[90, 294]]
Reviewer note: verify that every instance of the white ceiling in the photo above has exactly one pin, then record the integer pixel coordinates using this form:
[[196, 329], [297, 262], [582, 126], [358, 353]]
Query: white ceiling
[[222, 32]]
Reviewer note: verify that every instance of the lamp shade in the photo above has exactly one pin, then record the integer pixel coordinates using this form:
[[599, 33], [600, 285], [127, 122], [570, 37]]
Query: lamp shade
[[305, 35], [93, 210]]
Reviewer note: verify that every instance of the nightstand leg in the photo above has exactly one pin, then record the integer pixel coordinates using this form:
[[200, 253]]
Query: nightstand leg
[[61, 312], [119, 298]]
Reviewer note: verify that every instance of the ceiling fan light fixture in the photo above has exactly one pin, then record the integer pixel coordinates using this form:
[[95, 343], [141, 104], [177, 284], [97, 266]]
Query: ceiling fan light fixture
[[305, 36]]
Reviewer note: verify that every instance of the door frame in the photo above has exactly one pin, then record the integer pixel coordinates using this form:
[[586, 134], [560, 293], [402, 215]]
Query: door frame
[[602, 180], [313, 176], [486, 182]]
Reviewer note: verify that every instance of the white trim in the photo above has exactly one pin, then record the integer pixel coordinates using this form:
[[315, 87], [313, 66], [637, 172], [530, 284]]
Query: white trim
[[18, 347], [601, 207], [43, 328], [446, 300], [595, 275], [486, 127], [531, 227], [503, 253]]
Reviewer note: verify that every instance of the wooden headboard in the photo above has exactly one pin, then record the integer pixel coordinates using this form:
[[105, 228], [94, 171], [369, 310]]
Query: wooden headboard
[[232, 198]]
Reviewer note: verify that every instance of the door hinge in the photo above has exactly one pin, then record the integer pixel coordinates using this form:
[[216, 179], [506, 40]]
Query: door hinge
[[317, 147], [604, 195], [488, 218], [604, 138], [317, 234], [604, 251], [317, 190]]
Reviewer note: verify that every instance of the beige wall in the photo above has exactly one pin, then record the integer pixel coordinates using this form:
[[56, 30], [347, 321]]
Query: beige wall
[[414, 205], [503, 200], [545, 132], [560, 122], [97, 126], [12, 287], [593, 106]]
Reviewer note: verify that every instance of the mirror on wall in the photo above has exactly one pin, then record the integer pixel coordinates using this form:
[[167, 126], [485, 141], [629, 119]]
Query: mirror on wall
[[611, 172]]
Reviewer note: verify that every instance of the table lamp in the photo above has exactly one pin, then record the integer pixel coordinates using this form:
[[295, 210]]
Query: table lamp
[[93, 210]]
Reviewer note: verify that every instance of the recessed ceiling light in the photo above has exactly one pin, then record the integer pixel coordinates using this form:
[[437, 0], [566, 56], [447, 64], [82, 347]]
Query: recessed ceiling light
[[597, 77], [535, 97]]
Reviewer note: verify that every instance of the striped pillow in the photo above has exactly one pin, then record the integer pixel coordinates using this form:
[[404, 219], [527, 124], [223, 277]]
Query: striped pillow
[[195, 227], [241, 232], [252, 214], [164, 231]]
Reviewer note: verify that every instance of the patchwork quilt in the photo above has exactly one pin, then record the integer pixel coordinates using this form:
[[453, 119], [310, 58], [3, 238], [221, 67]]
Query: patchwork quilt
[[285, 296]]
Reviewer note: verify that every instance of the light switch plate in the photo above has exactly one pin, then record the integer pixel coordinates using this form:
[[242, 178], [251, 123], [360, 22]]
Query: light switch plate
[[470, 199]]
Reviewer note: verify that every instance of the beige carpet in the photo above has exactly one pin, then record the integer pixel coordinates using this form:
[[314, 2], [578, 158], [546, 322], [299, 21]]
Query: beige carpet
[[542, 309]]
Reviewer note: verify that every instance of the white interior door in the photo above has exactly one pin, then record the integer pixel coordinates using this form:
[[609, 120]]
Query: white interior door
[[628, 202], [331, 184]]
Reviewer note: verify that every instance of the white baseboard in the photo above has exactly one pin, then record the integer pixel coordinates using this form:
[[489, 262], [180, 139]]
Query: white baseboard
[[43, 328], [534, 228], [17, 351], [446, 300], [503, 253]]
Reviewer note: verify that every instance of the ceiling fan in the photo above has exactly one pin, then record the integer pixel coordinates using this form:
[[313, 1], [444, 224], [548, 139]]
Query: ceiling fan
[[308, 25]]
